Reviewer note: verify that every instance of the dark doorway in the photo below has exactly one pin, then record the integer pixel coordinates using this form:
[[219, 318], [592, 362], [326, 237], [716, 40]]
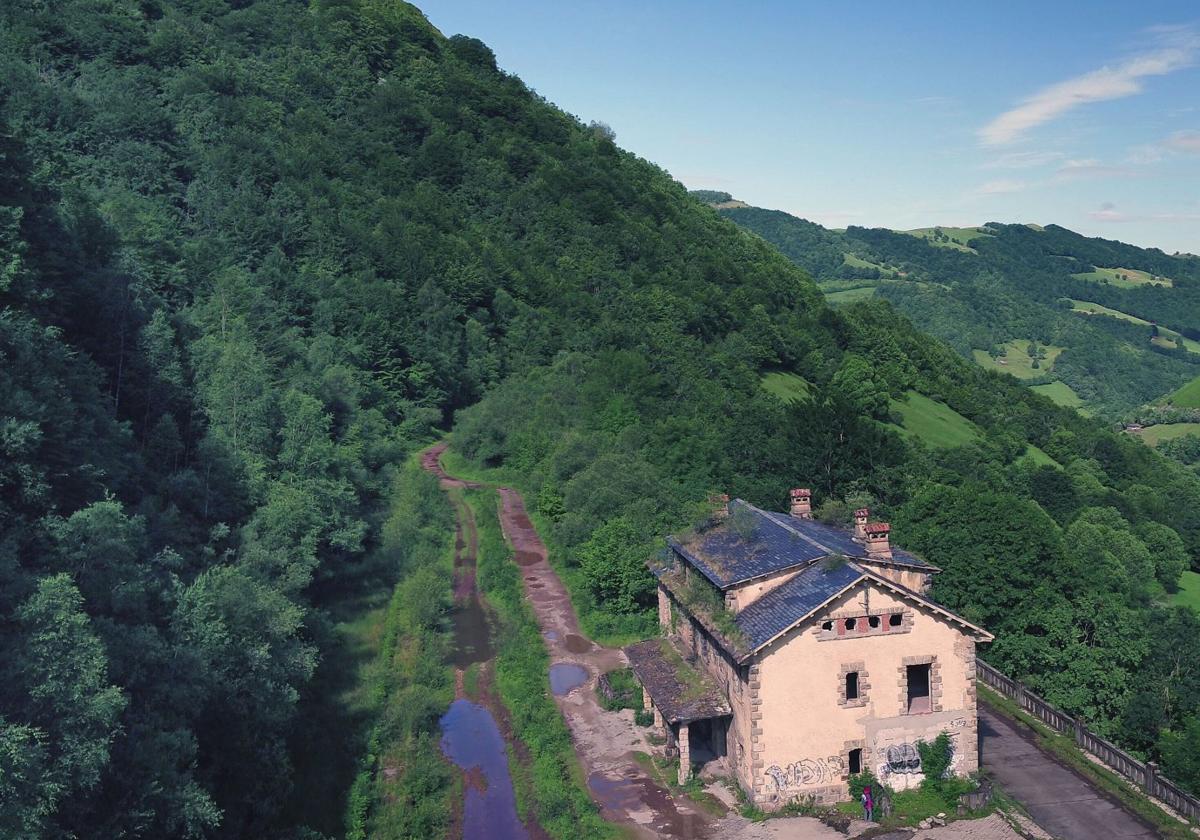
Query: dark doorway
[[918, 689], [855, 762]]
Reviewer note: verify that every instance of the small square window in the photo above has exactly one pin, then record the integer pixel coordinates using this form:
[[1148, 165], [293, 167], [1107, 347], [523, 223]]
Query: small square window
[[852, 685], [895, 620]]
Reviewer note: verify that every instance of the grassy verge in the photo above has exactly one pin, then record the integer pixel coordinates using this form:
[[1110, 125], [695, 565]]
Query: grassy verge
[[603, 627], [553, 778], [405, 787], [1065, 749]]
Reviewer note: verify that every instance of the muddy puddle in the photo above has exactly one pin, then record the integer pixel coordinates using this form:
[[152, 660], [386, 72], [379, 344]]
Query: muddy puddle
[[472, 635], [577, 644], [471, 739], [631, 793], [565, 676]]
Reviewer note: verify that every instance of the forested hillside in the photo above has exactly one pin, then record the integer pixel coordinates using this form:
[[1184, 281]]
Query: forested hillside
[[252, 254], [1085, 321]]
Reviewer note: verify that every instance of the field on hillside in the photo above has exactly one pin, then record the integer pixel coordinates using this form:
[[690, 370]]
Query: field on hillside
[[1186, 397], [933, 422], [1126, 278], [958, 238], [1086, 307], [1017, 361], [843, 296], [787, 386], [1060, 392], [1189, 591], [1153, 435], [856, 261]]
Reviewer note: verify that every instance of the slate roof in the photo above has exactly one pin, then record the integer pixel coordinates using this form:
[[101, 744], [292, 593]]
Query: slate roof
[[752, 543], [783, 606], [681, 692]]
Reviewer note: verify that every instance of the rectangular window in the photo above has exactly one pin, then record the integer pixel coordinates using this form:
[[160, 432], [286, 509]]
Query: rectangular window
[[855, 762], [918, 689], [852, 685]]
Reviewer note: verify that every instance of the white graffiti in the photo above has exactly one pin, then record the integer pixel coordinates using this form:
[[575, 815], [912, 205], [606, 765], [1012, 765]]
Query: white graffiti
[[808, 772]]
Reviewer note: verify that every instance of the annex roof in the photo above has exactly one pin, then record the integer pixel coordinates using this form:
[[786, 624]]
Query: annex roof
[[680, 692], [752, 543]]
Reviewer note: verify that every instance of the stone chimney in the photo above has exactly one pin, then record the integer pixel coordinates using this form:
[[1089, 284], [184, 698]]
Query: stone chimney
[[719, 502], [801, 502], [878, 544], [860, 523]]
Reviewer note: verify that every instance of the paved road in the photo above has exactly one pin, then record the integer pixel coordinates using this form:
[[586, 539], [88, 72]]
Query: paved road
[[1059, 799]]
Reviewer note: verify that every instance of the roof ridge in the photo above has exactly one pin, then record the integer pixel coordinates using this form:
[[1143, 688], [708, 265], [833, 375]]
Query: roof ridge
[[810, 540]]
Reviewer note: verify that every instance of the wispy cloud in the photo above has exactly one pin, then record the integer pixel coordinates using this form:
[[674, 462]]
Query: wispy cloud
[[1108, 212], [1175, 49], [1179, 143], [1023, 160], [1185, 142], [1001, 185], [1073, 170]]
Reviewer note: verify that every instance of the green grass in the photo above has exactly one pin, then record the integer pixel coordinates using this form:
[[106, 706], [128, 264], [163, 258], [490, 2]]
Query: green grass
[[933, 422], [1153, 435], [1186, 397], [851, 295], [958, 238], [1039, 457], [1086, 307], [788, 387], [1189, 591], [1017, 360], [1126, 278], [1059, 392], [1106, 780]]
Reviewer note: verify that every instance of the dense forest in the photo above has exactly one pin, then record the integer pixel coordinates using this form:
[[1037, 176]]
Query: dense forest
[[979, 289], [254, 254]]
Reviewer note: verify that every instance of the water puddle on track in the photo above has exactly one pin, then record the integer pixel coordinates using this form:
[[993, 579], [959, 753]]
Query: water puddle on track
[[566, 676], [471, 739]]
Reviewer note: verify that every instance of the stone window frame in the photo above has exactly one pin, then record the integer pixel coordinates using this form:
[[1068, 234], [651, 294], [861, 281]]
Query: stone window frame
[[847, 746], [864, 685], [935, 683], [864, 630]]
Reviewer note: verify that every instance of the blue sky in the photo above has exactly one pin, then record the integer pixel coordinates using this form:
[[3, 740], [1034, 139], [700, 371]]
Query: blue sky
[[886, 114]]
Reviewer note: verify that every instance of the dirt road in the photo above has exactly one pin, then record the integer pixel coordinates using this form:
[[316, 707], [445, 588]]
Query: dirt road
[[604, 742]]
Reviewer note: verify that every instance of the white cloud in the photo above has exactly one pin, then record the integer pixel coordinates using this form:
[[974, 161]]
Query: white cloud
[[1176, 49]]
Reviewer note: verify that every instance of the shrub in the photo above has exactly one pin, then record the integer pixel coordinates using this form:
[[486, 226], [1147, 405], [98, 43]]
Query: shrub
[[643, 717], [936, 756]]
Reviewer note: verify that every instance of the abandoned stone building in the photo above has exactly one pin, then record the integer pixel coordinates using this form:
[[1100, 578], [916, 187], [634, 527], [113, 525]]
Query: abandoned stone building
[[797, 653]]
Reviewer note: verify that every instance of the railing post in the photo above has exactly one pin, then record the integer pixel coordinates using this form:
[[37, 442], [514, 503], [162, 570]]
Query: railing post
[[1079, 730], [1151, 777]]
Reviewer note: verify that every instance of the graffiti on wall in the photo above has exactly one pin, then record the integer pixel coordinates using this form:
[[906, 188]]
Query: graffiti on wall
[[905, 760], [808, 772]]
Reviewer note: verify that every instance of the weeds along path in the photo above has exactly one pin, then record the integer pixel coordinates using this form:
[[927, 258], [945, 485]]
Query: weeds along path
[[603, 741]]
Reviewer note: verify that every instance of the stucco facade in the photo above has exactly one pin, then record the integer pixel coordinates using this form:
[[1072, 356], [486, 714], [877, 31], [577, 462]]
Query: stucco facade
[[830, 666]]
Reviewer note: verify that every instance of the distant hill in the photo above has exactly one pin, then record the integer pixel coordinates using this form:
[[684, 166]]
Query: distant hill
[[1088, 322]]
